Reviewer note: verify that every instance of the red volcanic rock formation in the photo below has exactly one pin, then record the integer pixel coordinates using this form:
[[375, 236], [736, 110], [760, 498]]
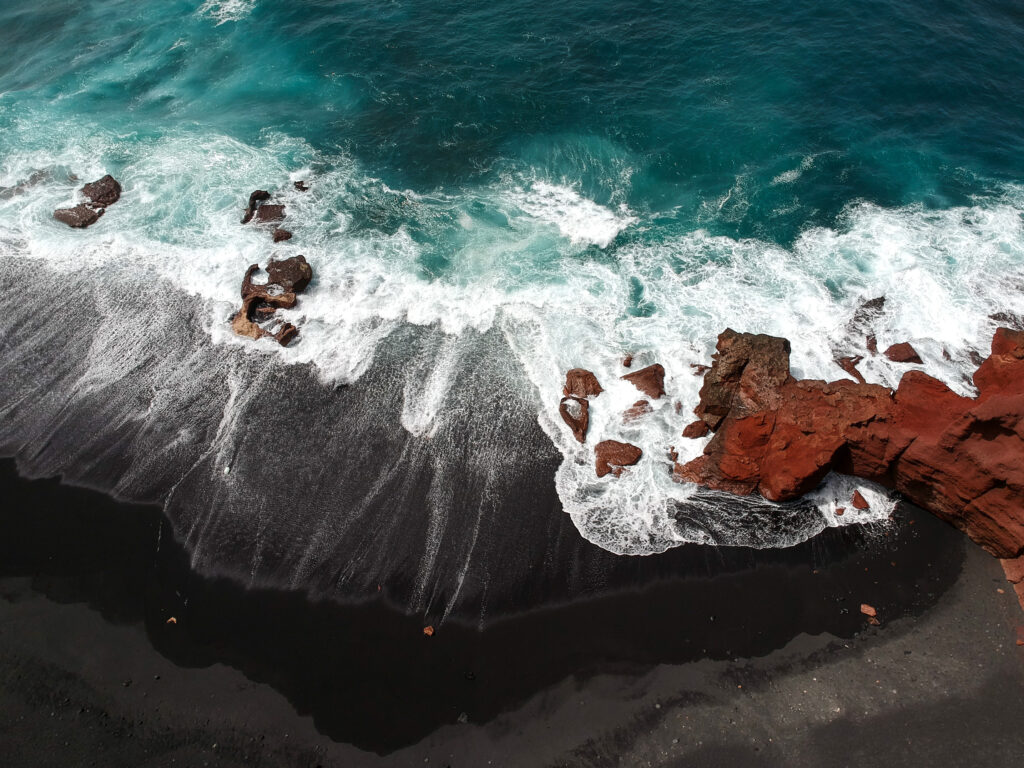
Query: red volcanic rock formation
[[575, 411], [903, 353], [962, 458], [649, 380], [581, 383], [636, 410], [849, 364], [612, 456], [285, 279]]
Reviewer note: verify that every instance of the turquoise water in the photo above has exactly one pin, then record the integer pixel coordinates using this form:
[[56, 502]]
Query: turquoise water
[[593, 179]]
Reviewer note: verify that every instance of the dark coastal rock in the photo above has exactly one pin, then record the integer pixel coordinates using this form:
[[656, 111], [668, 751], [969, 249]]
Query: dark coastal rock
[[292, 274], [612, 456], [575, 411], [260, 302], [700, 369], [955, 456], [903, 353], [649, 380], [849, 364], [636, 410], [581, 383], [79, 217], [269, 213], [696, 430], [280, 235], [301, 186], [627, 361], [871, 343], [103, 192], [255, 199]]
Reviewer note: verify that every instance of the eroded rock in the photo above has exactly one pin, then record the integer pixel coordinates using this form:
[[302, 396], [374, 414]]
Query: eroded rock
[[102, 193], [612, 456], [581, 383], [636, 410], [260, 302], [575, 411], [649, 380], [79, 217], [903, 353], [255, 199]]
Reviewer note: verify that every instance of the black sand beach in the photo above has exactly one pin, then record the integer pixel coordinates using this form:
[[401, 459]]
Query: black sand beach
[[743, 658]]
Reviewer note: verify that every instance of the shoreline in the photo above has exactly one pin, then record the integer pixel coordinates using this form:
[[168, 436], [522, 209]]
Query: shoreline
[[330, 660]]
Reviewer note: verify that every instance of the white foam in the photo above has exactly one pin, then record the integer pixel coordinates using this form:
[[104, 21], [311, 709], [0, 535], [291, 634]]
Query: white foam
[[577, 218], [226, 10], [942, 273]]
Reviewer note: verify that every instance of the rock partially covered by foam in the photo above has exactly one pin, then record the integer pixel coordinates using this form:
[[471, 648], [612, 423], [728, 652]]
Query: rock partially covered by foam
[[612, 456], [260, 302], [99, 195], [959, 457], [649, 380], [575, 411], [581, 383]]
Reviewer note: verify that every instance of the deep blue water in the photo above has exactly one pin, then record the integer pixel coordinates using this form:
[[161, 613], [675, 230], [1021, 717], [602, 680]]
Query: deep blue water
[[590, 178]]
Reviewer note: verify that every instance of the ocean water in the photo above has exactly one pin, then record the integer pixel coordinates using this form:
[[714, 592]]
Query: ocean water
[[544, 186]]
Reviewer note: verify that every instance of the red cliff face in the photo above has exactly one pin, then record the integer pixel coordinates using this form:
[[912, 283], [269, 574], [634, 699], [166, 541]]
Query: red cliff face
[[960, 457]]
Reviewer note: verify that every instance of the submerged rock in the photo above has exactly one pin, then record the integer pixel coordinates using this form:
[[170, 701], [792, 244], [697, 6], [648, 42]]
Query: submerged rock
[[649, 380], [636, 410], [849, 364], [612, 456], [575, 411], [581, 383], [958, 457]]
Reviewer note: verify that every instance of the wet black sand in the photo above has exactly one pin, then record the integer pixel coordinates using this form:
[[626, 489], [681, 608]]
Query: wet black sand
[[744, 658]]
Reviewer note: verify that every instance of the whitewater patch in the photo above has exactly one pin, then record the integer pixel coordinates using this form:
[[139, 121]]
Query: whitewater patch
[[224, 11], [513, 259]]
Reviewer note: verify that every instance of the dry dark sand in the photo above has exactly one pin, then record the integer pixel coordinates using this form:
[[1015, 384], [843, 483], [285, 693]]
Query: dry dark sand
[[766, 665]]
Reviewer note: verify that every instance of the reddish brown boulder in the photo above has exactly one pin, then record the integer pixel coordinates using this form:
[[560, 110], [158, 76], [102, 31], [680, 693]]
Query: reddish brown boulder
[[269, 213], [627, 361], [255, 199], [696, 430], [858, 501], [959, 457], [103, 192], [79, 217], [292, 274], [903, 353], [581, 383], [649, 380], [745, 376], [1014, 570], [636, 410], [575, 411], [849, 364], [280, 235], [840, 511], [612, 456]]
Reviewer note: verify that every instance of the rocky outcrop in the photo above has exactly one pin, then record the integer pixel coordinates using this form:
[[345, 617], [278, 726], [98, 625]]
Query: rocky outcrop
[[280, 235], [260, 302], [849, 364], [575, 411], [99, 195], [612, 456], [301, 186], [696, 430], [959, 457], [79, 217], [255, 199], [903, 353], [649, 380], [581, 383], [269, 213], [102, 193]]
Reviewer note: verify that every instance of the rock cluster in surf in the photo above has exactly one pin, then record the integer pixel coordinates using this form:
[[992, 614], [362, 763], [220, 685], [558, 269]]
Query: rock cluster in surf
[[99, 195], [959, 457], [286, 278]]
